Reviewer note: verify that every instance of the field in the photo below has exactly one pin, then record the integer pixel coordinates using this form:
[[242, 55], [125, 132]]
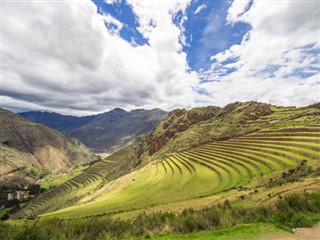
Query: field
[[217, 167]]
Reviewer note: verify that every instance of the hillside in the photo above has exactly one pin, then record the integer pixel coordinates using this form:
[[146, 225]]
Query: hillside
[[62, 123], [30, 151], [107, 132], [185, 129], [113, 130], [258, 148]]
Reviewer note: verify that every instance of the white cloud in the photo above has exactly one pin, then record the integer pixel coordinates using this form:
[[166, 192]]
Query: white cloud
[[237, 9], [114, 25], [277, 60], [200, 8], [61, 57]]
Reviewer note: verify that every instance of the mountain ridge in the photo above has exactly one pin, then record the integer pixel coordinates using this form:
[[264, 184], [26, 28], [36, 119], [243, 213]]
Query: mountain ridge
[[105, 132]]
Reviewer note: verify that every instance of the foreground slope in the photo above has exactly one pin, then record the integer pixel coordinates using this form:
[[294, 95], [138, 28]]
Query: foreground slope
[[28, 151], [209, 169]]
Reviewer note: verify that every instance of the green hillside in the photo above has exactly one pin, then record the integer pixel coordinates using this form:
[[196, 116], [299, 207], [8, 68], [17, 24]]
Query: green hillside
[[185, 129], [203, 171], [120, 184]]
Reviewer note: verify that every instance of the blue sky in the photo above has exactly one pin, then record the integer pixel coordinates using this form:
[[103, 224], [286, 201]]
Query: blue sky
[[85, 57], [207, 32]]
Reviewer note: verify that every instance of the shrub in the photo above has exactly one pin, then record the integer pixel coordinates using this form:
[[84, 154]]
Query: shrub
[[301, 220]]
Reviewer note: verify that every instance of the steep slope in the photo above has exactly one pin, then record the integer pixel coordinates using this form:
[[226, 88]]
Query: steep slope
[[184, 129], [29, 150], [57, 121], [113, 130], [198, 173], [282, 140]]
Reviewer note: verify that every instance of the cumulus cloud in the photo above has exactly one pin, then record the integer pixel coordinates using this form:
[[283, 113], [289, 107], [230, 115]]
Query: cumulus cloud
[[277, 60], [200, 8], [60, 55]]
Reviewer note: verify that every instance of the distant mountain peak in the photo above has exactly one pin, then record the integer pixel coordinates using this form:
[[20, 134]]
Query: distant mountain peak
[[118, 110]]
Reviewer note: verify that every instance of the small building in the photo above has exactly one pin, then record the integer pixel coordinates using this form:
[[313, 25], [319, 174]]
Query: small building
[[10, 196], [19, 195]]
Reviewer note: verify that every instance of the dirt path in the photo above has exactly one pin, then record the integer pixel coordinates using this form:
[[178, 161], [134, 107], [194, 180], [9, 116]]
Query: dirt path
[[308, 233], [299, 234]]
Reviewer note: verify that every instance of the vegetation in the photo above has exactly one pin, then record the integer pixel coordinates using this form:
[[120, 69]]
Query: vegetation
[[79, 188], [52, 180], [212, 168], [290, 211]]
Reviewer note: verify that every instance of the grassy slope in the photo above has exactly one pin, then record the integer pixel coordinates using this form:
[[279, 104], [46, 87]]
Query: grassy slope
[[52, 180], [171, 181], [239, 232], [182, 131]]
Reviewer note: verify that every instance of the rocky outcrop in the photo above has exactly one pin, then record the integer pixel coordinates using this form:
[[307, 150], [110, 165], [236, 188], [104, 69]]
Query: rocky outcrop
[[157, 144]]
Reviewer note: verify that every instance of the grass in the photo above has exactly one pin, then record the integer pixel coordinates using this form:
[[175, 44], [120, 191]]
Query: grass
[[225, 220], [239, 232], [53, 181], [152, 185]]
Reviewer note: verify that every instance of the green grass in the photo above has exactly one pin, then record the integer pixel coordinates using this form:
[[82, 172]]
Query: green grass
[[239, 232], [52, 181], [146, 187], [225, 220]]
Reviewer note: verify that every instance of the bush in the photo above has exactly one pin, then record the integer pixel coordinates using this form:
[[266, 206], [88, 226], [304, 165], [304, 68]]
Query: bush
[[301, 220]]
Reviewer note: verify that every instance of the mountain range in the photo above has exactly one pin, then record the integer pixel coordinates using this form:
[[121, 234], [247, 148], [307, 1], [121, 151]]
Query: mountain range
[[106, 132]]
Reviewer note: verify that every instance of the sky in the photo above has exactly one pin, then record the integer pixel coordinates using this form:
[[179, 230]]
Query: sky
[[82, 57]]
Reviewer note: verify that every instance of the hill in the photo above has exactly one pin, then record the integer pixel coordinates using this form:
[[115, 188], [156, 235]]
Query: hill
[[105, 132], [242, 153], [185, 129], [31, 151]]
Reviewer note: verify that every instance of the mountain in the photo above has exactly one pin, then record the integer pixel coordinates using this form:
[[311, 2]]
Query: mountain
[[28, 151], [196, 158], [115, 129], [105, 132], [57, 121]]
